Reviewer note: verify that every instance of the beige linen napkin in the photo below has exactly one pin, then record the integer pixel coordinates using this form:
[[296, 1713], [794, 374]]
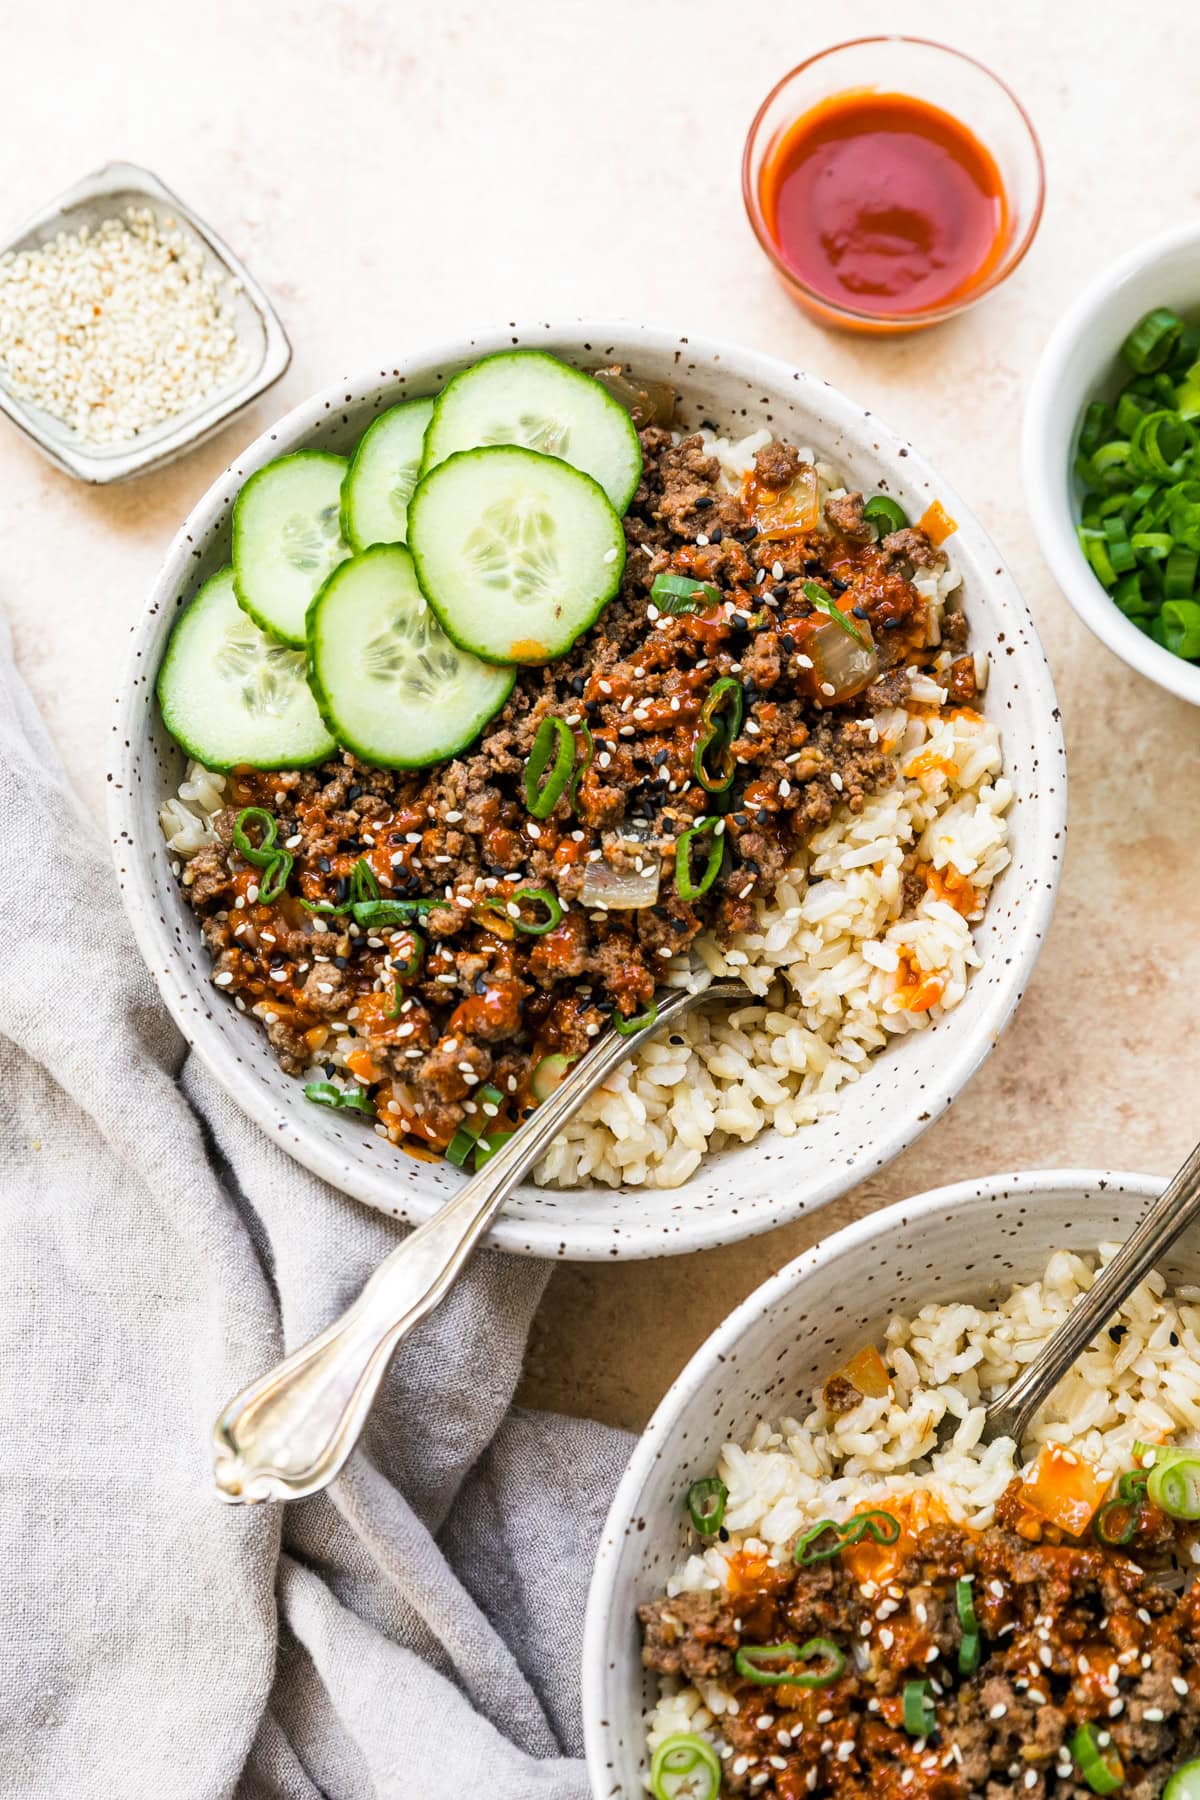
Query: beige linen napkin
[[413, 1633]]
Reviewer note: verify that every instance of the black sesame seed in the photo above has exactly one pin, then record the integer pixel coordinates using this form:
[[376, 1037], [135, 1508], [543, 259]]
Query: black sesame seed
[[341, 962], [891, 624], [578, 683], [780, 592], [763, 815], [749, 534], [715, 535], [331, 1069], [812, 565], [1117, 1332], [839, 587], [324, 864], [341, 888], [352, 793], [703, 502], [1174, 1340], [788, 642], [860, 612]]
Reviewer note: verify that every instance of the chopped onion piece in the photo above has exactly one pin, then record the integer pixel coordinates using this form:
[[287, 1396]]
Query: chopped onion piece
[[648, 402], [796, 508], [839, 662], [626, 888]]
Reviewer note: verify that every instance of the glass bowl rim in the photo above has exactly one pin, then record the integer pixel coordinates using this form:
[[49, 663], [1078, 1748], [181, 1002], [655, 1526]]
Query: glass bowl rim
[[929, 315]]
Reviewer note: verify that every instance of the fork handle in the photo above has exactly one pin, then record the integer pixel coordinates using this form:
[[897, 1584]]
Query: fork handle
[[289, 1433], [1168, 1218]]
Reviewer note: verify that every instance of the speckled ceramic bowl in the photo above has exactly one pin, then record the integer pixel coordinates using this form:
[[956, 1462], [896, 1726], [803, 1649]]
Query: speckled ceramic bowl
[[968, 1242], [739, 1191]]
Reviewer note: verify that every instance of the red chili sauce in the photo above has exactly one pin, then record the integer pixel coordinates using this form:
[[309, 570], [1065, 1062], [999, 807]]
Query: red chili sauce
[[883, 203]]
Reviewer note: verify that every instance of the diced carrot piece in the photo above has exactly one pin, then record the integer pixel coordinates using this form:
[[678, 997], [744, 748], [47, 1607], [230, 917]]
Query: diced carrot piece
[[1064, 1489]]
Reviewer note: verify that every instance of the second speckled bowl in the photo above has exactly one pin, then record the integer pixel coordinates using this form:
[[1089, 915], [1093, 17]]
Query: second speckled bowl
[[739, 1190], [968, 1242]]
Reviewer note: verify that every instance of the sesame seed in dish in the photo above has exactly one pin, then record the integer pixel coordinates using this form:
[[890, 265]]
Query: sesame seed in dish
[[116, 329]]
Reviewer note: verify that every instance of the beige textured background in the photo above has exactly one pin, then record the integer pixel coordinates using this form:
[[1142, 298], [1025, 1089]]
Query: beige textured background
[[392, 172]]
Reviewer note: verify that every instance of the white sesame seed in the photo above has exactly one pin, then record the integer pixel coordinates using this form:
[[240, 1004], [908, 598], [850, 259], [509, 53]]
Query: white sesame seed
[[777, 571], [828, 689], [116, 328], [222, 980], [998, 1711], [1179, 1684]]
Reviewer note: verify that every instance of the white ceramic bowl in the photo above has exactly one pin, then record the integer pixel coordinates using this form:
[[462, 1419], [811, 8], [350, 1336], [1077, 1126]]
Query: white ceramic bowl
[[966, 1242], [741, 1190], [1079, 364]]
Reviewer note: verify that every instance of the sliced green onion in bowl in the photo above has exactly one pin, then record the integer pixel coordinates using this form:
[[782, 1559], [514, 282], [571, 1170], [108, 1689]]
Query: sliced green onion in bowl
[[678, 594], [275, 878], [885, 514], [685, 1767], [1099, 1764], [262, 854], [919, 1715], [639, 1021], [1174, 1486], [553, 739], [706, 1502], [964, 1600], [773, 1665], [687, 885], [1184, 1784], [1181, 626], [324, 1093], [1150, 343]]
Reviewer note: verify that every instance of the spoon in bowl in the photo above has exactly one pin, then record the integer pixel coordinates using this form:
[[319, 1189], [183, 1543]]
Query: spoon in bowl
[[289, 1433]]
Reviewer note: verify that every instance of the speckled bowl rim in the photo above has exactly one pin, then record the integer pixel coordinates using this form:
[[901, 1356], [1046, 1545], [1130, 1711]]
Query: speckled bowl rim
[[965, 1042], [704, 1369]]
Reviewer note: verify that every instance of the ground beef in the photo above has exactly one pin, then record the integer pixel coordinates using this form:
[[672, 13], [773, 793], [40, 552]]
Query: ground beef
[[911, 546], [1069, 1633], [478, 997], [845, 514]]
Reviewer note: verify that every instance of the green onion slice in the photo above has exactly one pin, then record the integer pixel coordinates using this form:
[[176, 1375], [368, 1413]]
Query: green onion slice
[[968, 1653], [884, 1527], [1099, 1764], [554, 738], [1184, 1784], [275, 878], [687, 886], [810, 1548], [683, 594], [324, 1093], [257, 818], [720, 722], [486, 1147], [1115, 1523], [582, 767], [706, 1502], [685, 1767], [770, 1665], [919, 1716], [965, 1602], [463, 1142], [639, 1022], [1181, 622], [825, 603], [1150, 343], [1174, 1486], [886, 514]]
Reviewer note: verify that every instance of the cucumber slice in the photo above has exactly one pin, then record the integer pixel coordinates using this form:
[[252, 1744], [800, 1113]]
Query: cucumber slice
[[383, 474], [287, 537], [516, 553], [389, 683], [526, 397], [230, 694]]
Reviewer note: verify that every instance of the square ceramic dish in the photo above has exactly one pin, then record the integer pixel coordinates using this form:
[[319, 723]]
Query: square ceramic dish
[[266, 351], [739, 1190]]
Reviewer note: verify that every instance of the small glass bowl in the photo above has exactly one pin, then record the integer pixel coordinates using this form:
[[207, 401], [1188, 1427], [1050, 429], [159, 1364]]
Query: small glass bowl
[[941, 77]]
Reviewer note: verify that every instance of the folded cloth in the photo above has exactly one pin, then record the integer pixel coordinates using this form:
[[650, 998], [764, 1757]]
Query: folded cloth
[[416, 1630]]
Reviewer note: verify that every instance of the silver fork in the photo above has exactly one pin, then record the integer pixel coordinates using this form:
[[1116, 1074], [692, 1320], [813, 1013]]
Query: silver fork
[[1168, 1218], [290, 1432]]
